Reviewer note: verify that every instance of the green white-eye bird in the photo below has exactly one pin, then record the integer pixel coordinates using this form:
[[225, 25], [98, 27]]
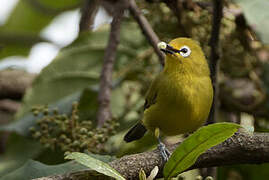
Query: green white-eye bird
[[179, 99]]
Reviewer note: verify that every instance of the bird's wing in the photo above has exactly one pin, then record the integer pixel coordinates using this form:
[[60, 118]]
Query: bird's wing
[[152, 94], [138, 131]]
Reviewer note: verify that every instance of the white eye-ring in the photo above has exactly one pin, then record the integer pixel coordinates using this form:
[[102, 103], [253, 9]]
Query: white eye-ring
[[185, 51], [162, 45]]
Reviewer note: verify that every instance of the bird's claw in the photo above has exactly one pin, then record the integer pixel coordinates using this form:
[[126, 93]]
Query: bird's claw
[[164, 152]]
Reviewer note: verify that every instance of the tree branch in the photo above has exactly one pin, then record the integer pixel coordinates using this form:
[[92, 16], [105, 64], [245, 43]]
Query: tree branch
[[242, 148], [13, 83], [214, 54], [9, 106], [146, 29], [88, 12], [7, 110], [214, 67], [104, 112]]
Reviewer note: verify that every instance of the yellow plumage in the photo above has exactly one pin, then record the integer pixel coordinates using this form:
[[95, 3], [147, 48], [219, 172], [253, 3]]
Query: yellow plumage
[[179, 99]]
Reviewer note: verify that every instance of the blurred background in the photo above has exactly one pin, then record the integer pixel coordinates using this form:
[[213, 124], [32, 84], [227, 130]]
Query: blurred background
[[50, 64]]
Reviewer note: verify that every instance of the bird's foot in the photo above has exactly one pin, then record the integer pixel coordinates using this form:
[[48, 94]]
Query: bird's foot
[[165, 153]]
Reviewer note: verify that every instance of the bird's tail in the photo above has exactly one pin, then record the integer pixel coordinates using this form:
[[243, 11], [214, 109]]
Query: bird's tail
[[135, 133]]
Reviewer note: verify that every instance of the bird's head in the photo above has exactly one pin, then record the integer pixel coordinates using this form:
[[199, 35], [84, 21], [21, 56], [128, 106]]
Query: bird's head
[[184, 55]]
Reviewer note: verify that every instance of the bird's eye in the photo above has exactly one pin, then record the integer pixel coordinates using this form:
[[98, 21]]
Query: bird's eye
[[185, 51]]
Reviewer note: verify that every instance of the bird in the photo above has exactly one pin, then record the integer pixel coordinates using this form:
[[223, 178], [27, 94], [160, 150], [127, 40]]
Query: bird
[[179, 99]]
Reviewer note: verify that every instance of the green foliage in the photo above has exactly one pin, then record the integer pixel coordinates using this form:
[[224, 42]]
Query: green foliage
[[19, 149], [21, 30], [142, 175], [244, 172], [74, 73], [59, 6], [33, 169], [192, 147], [63, 77], [63, 81], [95, 164], [76, 68], [103, 158], [76, 60]]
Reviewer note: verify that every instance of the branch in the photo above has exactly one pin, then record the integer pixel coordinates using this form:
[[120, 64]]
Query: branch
[[214, 66], [214, 54], [241, 148], [9, 106], [88, 12], [146, 29], [104, 112], [13, 83], [7, 110]]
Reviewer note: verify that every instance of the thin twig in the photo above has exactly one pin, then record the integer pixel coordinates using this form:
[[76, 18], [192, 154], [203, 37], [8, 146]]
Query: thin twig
[[88, 12], [214, 66], [214, 54], [104, 112], [146, 28]]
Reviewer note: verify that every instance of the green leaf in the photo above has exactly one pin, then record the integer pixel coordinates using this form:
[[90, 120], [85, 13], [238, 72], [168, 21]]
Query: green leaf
[[18, 150], [16, 43], [103, 158], [22, 28], [34, 169], [76, 68], [88, 104], [192, 147], [94, 164], [257, 15], [58, 6], [244, 171]]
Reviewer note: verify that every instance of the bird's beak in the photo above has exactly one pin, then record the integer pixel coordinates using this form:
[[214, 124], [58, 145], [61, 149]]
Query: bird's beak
[[169, 50]]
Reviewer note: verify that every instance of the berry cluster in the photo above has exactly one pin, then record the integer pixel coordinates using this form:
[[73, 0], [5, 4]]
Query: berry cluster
[[69, 133]]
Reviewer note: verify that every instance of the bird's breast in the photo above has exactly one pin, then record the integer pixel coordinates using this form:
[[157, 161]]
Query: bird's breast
[[183, 104]]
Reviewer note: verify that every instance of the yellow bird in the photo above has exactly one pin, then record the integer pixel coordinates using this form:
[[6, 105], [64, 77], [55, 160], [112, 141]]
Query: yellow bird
[[179, 99]]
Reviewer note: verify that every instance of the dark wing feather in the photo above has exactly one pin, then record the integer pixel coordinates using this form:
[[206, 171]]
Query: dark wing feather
[[136, 132], [151, 102]]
